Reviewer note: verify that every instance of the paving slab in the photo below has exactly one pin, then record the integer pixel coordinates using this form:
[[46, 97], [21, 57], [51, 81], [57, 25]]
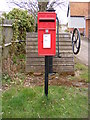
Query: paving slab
[[83, 53]]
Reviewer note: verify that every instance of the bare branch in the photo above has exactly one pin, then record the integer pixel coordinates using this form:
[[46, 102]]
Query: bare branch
[[30, 6]]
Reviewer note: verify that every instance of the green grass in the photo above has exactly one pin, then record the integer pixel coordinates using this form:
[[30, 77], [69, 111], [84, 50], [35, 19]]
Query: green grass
[[62, 102], [83, 72]]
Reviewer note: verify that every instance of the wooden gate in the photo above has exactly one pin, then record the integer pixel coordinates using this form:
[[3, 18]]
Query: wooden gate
[[35, 63]]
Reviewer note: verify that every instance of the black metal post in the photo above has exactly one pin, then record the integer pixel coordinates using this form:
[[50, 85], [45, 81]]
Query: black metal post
[[46, 74], [51, 57], [50, 64]]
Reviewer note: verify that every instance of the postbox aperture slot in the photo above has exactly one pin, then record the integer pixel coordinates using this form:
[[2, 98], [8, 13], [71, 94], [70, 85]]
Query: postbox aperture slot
[[46, 19]]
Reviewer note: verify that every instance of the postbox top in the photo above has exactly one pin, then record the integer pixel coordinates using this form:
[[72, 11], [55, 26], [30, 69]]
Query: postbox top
[[46, 15], [46, 12]]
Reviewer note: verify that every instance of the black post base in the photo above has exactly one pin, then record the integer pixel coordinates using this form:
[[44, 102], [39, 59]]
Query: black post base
[[46, 74], [50, 64]]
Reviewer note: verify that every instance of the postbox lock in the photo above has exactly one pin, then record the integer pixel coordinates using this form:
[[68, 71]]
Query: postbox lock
[[46, 30]]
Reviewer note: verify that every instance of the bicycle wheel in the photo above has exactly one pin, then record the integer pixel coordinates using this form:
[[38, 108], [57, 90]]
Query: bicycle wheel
[[76, 41]]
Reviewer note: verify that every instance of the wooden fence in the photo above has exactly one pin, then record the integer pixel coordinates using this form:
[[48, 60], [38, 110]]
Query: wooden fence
[[6, 35], [35, 63]]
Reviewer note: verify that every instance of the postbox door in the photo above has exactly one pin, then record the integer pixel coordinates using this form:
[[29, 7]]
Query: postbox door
[[46, 33]]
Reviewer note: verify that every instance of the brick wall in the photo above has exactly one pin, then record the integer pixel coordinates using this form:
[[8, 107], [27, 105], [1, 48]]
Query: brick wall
[[89, 9], [79, 8], [88, 28], [80, 29]]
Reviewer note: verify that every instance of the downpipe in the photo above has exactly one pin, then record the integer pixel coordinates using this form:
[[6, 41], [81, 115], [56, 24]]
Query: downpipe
[[58, 55]]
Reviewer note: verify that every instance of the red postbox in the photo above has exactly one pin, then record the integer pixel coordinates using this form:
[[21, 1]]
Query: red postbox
[[46, 33]]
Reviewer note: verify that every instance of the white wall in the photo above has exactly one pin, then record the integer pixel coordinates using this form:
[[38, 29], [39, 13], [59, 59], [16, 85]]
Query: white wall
[[79, 0], [78, 22]]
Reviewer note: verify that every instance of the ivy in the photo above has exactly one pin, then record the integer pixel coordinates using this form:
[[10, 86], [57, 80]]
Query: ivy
[[23, 22]]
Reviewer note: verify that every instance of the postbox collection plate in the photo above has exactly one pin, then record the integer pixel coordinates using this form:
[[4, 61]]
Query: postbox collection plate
[[46, 41], [46, 33]]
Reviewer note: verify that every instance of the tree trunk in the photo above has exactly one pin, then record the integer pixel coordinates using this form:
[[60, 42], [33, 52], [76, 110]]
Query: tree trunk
[[42, 6]]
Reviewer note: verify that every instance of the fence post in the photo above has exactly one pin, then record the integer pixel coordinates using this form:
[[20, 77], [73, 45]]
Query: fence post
[[0, 69]]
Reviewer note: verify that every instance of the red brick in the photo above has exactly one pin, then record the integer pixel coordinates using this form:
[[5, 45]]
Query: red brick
[[79, 8]]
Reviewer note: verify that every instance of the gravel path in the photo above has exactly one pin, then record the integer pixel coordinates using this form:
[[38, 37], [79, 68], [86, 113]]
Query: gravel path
[[83, 54]]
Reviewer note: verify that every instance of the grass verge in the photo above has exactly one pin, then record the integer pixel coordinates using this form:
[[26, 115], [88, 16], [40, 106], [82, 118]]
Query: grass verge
[[62, 102], [81, 72]]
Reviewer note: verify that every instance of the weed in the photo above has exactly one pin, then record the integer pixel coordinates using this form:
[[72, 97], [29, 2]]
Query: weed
[[6, 78]]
